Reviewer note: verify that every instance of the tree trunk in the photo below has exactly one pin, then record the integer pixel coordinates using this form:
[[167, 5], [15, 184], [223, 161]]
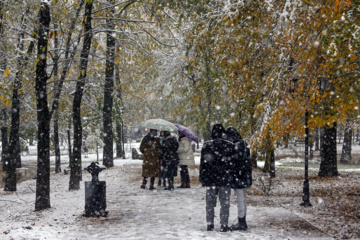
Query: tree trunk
[[269, 166], [346, 150], [4, 137], [18, 151], [67, 59], [254, 159], [69, 140], [58, 88], [12, 152], [57, 143], [316, 138], [4, 129], [108, 154], [42, 200], [119, 152], [328, 165], [75, 173], [56, 115]]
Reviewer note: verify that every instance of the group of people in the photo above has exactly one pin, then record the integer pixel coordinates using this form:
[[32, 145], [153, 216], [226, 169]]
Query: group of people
[[163, 155], [224, 165]]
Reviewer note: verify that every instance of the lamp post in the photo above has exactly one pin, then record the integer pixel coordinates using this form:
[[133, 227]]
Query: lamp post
[[306, 188]]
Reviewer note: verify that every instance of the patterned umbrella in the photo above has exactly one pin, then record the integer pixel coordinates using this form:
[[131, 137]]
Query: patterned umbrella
[[187, 132]]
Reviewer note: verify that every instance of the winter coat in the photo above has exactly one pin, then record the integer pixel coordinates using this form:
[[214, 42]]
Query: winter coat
[[242, 172], [185, 152], [169, 156], [216, 159], [150, 147]]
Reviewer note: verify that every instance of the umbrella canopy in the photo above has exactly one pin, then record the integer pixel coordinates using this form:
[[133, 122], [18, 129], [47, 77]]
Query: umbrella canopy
[[159, 124], [187, 132]]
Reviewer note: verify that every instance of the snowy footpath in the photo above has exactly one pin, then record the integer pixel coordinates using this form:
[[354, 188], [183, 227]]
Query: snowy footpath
[[136, 213]]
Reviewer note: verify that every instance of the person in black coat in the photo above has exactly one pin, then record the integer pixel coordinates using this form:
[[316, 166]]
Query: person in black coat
[[242, 174], [170, 158], [215, 174]]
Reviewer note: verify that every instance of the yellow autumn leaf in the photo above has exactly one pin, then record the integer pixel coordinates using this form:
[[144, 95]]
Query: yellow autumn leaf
[[6, 102], [6, 72]]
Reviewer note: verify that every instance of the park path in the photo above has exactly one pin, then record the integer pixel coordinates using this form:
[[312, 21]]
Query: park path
[[135, 213]]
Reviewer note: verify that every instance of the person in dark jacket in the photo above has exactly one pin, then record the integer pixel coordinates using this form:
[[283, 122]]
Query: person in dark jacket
[[150, 147], [162, 165], [170, 158], [215, 174], [242, 174]]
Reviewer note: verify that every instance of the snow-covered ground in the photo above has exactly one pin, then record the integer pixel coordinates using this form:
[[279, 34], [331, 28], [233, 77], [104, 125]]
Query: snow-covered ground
[[135, 213]]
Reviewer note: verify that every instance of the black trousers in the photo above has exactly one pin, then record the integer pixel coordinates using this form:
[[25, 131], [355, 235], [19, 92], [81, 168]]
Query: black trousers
[[152, 181], [184, 174]]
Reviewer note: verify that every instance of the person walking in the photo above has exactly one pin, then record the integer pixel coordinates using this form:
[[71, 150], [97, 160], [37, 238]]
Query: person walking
[[170, 158], [150, 148], [215, 175], [186, 156], [242, 175]]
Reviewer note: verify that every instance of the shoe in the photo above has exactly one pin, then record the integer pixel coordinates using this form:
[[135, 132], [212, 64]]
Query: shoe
[[187, 185], [169, 188], [241, 225], [152, 188], [210, 227], [225, 228], [182, 185], [142, 186]]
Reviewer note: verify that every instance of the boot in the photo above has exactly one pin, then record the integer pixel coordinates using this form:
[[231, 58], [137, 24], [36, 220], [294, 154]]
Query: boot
[[241, 225], [142, 186], [152, 188], [210, 227], [187, 185], [182, 185], [225, 228]]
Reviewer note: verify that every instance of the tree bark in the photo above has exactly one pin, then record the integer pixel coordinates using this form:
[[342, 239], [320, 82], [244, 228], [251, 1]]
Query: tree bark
[[4, 137], [57, 143], [346, 150], [56, 115], [42, 200], [4, 129], [269, 166], [12, 152], [75, 165], [328, 165], [316, 138], [108, 154], [119, 150], [69, 141]]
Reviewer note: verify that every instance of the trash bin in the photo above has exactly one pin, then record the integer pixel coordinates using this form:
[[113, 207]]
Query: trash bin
[[95, 193]]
